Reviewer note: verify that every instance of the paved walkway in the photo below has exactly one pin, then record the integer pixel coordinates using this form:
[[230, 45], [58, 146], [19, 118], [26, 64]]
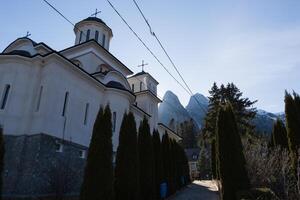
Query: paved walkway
[[198, 190]]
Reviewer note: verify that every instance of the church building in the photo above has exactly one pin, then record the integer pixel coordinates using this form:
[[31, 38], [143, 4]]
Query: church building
[[49, 101]]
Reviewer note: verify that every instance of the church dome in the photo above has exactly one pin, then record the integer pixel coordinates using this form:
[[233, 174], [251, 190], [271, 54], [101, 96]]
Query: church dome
[[95, 19], [93, 28]]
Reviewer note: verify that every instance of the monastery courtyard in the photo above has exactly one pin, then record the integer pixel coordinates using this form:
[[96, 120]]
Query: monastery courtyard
[[198, 190]]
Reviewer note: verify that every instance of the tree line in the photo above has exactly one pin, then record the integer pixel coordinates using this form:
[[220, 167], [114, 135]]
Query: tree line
[[145, 167], [229, 131]]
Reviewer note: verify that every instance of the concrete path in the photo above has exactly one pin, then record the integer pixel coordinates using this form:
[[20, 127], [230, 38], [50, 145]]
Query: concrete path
[[198, 190]]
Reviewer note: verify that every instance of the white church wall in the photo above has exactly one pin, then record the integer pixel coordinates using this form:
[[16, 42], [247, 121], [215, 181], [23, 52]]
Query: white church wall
[[57, 80], [21, 76], [90, 62], [93, 48], [119, 102]]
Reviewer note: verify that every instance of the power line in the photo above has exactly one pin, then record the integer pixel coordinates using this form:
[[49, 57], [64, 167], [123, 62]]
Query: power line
[[60, 13], [139, 38], [166, 53]]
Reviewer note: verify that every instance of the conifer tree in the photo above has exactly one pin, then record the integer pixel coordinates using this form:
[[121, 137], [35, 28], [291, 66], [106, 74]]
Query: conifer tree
[[98, 177], [146, 162], [172, 168], [293, 125], [2, 152], [126, 170], [242, 107], [231, 160], [213, 159], [157, 162], [279, 135], [165, 148]]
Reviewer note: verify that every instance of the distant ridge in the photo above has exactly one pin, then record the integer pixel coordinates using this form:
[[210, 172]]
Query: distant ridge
[[172, 108]]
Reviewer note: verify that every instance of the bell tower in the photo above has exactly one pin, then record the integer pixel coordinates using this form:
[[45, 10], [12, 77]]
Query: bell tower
[[93, 28]]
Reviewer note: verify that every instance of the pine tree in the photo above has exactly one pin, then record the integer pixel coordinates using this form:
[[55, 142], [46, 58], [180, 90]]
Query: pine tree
[[2, 152], [292, 115], [98, 177], [157, 162], [279, 135], [146, 160], [242, 107], [126, 170], [231, 161]]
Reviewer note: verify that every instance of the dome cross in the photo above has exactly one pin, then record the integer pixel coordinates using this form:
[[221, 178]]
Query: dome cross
[[95, 13]]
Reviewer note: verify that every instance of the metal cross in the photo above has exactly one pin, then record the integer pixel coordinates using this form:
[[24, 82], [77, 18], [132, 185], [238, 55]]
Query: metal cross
[[142, 65], [27, 34], [96, 12]]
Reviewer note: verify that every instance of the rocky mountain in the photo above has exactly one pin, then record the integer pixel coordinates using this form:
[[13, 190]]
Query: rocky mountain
[[171, 108], [196, 109]]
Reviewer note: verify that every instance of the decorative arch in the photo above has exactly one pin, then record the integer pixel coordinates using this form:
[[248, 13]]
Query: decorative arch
[[116, 77]]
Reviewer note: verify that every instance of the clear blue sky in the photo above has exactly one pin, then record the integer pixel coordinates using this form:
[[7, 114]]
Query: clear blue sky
[[253, 43]]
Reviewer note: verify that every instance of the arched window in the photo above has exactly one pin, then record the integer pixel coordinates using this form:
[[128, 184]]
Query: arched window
[[141, 86], [88, 35], [39, 99], [86, 113], [5, 96], [80, 37], [103, 40], [96, 35], [65, 104]]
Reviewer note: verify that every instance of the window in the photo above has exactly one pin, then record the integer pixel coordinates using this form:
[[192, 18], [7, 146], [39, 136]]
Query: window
[[141, 86], [80, 36], [103, 40], [65, 104], [132, 87], [5, 96], [86, 113], [114, 119], [82, 154], [96, 35], [39, 99], [88, 35], [58, 147]]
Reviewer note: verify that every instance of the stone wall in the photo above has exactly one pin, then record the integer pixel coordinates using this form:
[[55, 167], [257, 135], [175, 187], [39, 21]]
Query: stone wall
[[34, 169]]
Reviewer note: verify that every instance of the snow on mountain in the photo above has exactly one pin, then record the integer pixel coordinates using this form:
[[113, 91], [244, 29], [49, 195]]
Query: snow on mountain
[[172, 108]]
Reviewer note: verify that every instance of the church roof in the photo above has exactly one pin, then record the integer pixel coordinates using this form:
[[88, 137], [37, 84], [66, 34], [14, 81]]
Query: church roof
[[95, 19], [115, 84], [19, 52]]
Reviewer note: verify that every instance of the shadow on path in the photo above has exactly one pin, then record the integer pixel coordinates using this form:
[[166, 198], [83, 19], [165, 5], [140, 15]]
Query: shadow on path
[[198, 190]]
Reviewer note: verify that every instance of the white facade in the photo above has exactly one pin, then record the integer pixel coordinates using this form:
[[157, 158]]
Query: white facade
[[59, 93]]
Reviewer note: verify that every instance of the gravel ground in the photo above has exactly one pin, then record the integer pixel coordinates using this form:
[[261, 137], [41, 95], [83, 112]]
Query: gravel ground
[[198, 190]]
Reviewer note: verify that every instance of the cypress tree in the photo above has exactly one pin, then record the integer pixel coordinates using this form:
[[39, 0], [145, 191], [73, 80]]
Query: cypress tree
[[98, 177], [231, 161], [165, 145], [126, 170], [213, 159], [279, 135], [2, 152], [157, 162], [186, 167], [172, 168], [146, 160], [292, 123]]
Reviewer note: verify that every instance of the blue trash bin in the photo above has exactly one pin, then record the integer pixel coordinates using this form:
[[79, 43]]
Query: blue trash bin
[[163, 190]]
